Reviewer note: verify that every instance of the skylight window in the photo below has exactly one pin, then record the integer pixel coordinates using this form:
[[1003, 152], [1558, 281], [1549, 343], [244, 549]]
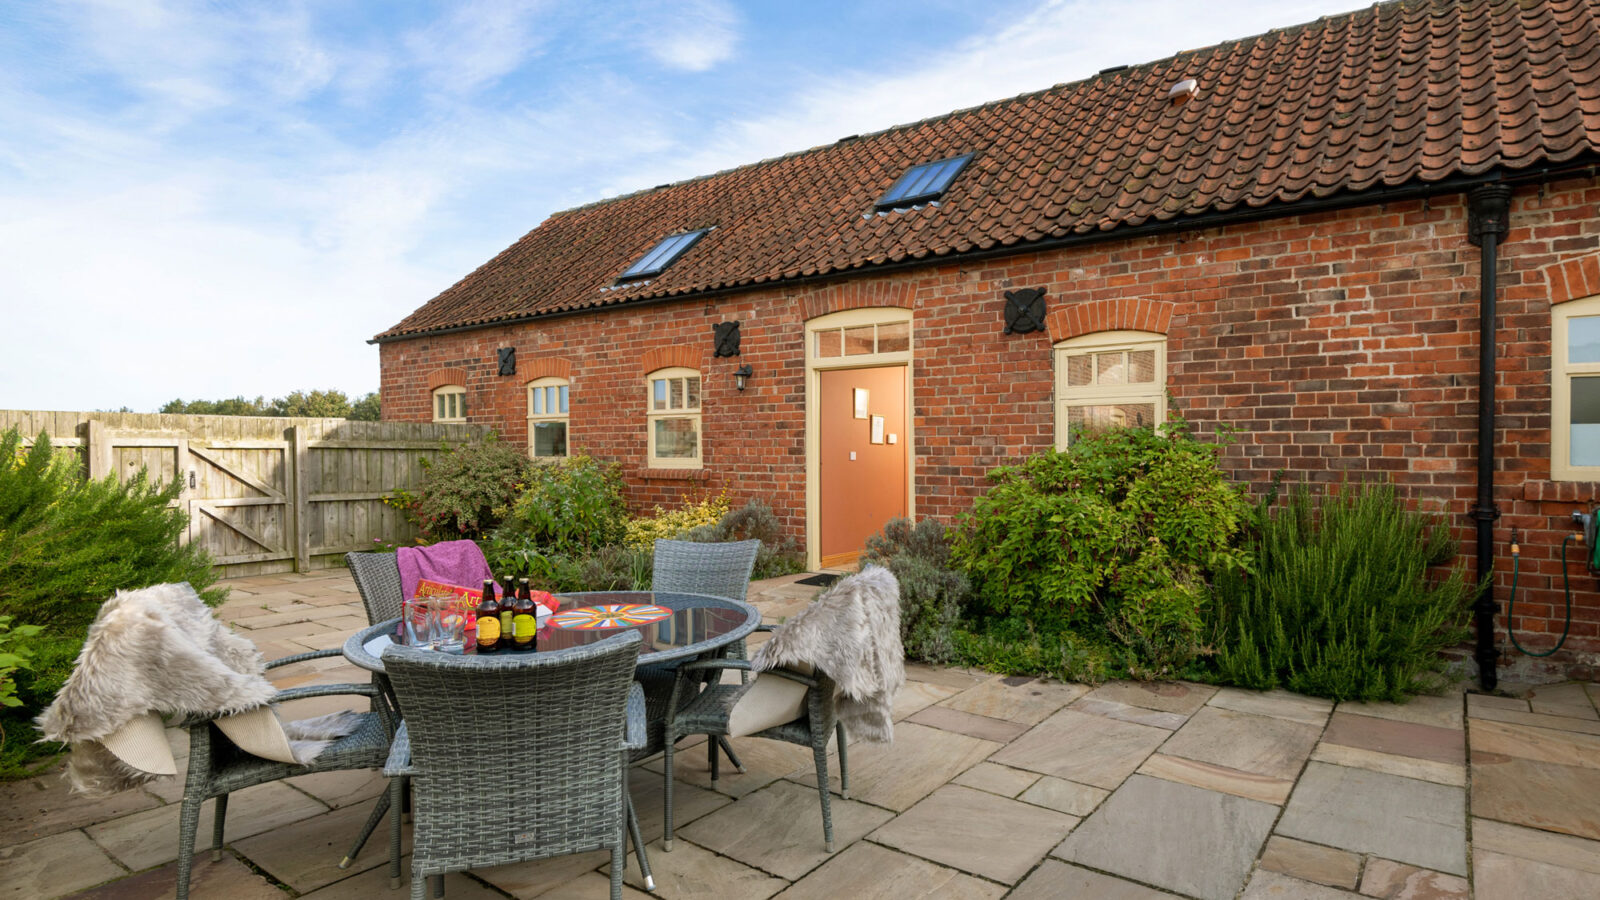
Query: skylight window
[[924, 182], [662, 255]]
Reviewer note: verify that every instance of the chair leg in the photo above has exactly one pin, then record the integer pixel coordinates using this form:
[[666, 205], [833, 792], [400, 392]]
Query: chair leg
[[666, 799], [188, 824], [711, 751], [844, 763], [618, 859], [819, 750], [217, 824], [397, 790], [634, 832], [727, 749], [419, 885], [378, 809]]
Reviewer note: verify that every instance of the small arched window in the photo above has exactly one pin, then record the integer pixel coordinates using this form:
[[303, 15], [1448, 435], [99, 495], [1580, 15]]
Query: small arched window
[[672, 415], [1109, 379], [450, 403], [547, 418]]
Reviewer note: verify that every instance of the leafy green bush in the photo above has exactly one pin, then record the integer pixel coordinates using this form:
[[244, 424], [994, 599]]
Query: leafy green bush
[[613, 568], [1341, 604], [643, 531], [466, 491], [779, 554], [931, 593], [14, 655], [570, 507], [1116, 534]]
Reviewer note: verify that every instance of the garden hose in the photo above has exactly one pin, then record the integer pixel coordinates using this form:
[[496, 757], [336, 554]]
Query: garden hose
[[1566, 584]]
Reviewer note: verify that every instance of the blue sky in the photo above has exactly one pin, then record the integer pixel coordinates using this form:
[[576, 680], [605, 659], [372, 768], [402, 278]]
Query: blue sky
[[211, 199]]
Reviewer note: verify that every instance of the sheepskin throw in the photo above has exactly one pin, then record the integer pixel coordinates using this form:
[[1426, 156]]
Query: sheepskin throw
[[851, 632], [157, 650]]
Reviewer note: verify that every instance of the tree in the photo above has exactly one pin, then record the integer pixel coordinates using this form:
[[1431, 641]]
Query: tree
[[237, 406], [316, 404], [331, 404], [366, 409]]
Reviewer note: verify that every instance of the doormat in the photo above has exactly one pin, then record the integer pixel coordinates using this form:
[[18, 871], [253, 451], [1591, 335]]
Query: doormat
[[822, 580]]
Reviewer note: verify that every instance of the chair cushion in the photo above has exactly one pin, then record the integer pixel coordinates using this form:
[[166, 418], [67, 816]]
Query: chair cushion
[[767, 702]]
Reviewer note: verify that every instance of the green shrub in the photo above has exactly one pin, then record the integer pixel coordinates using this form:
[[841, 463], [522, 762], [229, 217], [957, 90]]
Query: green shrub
[[466, 491], [613, 568], [931, 593], [571, 507], [1117, 534], [779, 554], [14, 655], [1341, 603], [1010, 647], [643, 531]]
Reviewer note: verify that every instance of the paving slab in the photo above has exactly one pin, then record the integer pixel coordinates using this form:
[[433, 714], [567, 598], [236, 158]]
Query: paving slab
[[1278, 704], [765, 761], [1174, 836], [692, 871], [1536, 794], [778, 829], [1443, 711], [40, 806], [977, 832], [1181, 697], [918, 695], [1444, 745], [1486, 701], [306, 856], [897, 775], [1404, 766], [1397, 881], [1404, 819], [1570, 699], [228, 878], [1113, 710], [343, 788], [1529, 742], [541, 877], [865, 869], [1261, 745], [1055, 879], [1062, 795], [688, 802], [1498, 875], [996, 779], [1266, 884], [946, 675], [53, 867], [150, 838], [374, 883], [998, 730], [1080, 747], [1312, 862], [1531, 843], [1028, 702], [1539, 720], [1218, 778]]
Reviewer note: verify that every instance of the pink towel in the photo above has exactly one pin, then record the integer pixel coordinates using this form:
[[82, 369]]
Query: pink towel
[[460, 563]]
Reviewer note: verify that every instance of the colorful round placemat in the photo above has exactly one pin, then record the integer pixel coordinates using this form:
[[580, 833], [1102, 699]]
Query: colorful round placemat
[[615, 615]]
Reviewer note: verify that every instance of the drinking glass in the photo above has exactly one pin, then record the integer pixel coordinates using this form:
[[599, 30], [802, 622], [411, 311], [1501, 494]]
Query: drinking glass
[[418, 622], [449, 621]]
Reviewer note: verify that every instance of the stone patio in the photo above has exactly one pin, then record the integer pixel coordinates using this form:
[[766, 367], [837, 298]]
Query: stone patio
[[994, 787]]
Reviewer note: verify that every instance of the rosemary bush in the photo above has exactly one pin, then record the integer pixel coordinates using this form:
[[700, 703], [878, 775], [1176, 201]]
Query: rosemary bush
[[1341, 603], [931, 593]]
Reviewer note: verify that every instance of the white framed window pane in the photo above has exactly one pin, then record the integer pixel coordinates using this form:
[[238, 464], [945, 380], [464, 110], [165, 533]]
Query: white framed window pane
[[1109, 368], [1080, 369], [894, 337], [675, 393], [676, 438], [537, 405], [1111, 415], [563, 399], [659, 391], [691, 392], [550, 439], [1585, 422], [1141, 366], [1583, 339], [858, 341], [829, 344], [438, 406]]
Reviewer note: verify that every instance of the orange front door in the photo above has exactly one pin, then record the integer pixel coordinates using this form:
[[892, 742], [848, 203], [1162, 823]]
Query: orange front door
[[862, 483]]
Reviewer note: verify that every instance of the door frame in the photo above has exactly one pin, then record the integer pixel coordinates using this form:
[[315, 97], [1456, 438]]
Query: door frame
[[816, 365]]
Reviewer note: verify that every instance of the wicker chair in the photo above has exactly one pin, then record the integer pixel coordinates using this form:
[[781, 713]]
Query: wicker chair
[[492, 788], [377, 577], [217, 768]]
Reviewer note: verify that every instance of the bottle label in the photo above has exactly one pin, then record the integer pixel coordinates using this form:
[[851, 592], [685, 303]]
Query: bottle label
[[523, 627], [488, 629]]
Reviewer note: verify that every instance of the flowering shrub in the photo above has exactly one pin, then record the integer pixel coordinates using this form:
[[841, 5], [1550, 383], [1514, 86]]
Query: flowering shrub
[[466, 491], [642, 531]]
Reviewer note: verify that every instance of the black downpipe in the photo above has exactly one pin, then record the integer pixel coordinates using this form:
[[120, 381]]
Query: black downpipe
[[1488, 220]]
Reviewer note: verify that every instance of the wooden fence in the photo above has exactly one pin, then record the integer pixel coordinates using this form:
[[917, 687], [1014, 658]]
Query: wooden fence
[[263, 495]]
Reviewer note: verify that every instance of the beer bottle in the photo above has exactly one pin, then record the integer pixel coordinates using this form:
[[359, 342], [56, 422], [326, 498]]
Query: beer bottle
[[525, 622], [489, 639], [506, 616]]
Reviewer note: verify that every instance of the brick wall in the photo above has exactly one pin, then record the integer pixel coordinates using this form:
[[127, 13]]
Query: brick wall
[[1342, 345]]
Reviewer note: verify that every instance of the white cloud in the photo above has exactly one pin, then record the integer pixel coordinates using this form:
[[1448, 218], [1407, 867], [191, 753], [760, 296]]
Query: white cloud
[[476, 43], [692, 36]]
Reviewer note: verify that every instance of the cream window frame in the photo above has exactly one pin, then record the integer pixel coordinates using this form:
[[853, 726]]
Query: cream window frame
[[563, 416], [1562, 372], [1067, 396], [653, 415], [448, 399]]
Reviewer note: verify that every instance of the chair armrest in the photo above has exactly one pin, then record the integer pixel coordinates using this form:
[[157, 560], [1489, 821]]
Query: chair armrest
[[765, 627], [302, 657], [637, 734], [399, 762], [325, 690], [744, 666]]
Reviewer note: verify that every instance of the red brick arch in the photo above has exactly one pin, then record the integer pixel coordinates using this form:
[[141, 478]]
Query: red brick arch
[[1573, 279], [455, 375], [547, 367], [859, 295], [1074, 319], [679, 356]]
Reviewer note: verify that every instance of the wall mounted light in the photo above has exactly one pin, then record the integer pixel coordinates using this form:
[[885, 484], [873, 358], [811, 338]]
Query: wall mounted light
[[741, 375]]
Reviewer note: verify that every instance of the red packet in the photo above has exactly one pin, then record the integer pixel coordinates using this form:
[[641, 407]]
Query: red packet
[[467, 599], [546, 600]]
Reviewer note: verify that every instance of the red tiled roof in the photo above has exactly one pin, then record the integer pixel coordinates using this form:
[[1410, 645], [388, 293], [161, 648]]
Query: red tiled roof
[[1399, 92]]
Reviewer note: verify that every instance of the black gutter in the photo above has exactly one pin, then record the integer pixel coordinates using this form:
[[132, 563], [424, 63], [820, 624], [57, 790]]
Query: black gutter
[[1410, 191], [1488, 220]]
